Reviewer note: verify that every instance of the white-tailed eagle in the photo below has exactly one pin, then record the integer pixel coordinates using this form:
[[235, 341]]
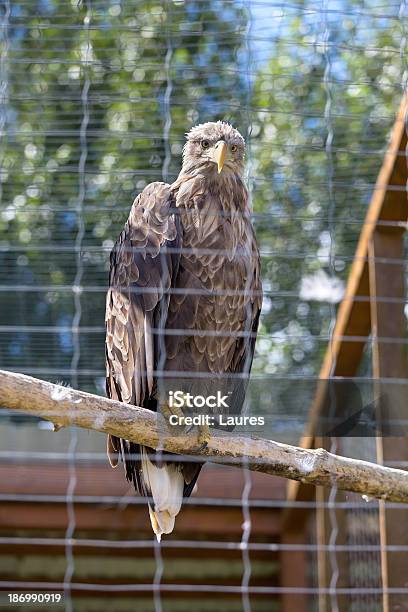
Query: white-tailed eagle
[[183, 302]]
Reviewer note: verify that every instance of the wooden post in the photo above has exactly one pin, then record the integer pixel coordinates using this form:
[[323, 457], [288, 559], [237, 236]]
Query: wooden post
[[322, 533], [324, 529], [388, 293], [293, 571]]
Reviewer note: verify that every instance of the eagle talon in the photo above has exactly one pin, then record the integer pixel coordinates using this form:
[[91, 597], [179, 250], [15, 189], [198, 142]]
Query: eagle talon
[[169, 411], [188, 429], [204, 436]]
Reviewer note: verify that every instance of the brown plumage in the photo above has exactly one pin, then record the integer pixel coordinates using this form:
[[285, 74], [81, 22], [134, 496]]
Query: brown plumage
[[186, 260]]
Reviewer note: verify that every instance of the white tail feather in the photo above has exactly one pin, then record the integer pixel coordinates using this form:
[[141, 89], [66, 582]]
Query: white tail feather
[[166, 484]]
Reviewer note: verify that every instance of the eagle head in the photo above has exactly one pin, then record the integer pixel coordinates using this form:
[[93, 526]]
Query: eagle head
[[214, 147]]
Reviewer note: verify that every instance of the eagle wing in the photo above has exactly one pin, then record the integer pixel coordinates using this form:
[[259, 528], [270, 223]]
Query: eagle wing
[[143, 267]]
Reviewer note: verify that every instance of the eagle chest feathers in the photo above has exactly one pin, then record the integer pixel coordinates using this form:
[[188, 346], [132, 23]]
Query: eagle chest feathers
[[219, 272]]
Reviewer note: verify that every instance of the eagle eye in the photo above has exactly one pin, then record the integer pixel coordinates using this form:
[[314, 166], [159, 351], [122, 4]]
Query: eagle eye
[[234, 148], [205, 144]]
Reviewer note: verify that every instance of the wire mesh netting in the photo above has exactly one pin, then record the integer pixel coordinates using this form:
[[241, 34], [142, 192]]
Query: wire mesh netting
[[95, 100]]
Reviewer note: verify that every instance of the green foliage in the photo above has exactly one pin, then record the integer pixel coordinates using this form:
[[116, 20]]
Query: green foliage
[[100, 93], [322, 113]]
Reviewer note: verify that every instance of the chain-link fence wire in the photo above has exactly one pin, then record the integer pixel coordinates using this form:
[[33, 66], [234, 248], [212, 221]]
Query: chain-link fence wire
[[95, 100]]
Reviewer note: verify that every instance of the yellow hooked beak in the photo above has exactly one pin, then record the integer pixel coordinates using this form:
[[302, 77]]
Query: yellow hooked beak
[[219, 155]]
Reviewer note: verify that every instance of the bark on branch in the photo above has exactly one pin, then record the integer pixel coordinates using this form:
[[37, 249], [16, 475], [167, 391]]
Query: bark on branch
[[64, 406]]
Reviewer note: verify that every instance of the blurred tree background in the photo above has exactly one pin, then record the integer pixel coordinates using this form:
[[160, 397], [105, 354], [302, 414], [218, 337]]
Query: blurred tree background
[[96, 99]]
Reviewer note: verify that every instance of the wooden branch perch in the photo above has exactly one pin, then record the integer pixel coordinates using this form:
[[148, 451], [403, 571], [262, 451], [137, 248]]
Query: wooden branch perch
[[66, 406]]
